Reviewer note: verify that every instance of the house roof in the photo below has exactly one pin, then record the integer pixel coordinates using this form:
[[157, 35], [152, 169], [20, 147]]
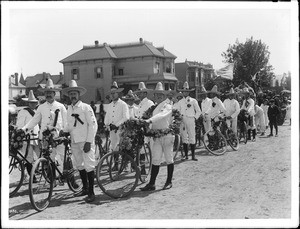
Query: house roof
[[166, 53], [17, 86], [34, 81]]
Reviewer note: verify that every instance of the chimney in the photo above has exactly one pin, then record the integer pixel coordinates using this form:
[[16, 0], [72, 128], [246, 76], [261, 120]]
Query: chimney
[[16, 79], [104, 44], [141, 40], [96, 43]]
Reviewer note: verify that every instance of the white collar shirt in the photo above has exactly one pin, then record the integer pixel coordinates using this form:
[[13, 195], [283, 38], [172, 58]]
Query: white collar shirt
[[248, 105], [144, 105], [217, 109], [206, 104], [232, 108], [189, 107], [117, 113], [162, 116], [133, 110]]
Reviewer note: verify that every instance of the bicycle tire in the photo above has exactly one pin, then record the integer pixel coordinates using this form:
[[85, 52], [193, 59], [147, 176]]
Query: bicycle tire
[[123, 183], [218, 146], [179, 148], [73, 176], [40, 190], [16, 174], [144, 164], [233, 140]]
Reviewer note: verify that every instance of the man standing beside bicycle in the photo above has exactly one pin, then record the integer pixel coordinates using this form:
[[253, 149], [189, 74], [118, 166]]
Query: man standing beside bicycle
[[82, 126], [232, 108], [190, 111], [24, 116], [205, 106], [51, 115], [162, 145]]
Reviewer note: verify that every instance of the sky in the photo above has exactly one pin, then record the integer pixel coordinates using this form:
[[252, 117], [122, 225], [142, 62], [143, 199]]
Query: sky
[[40, 35]]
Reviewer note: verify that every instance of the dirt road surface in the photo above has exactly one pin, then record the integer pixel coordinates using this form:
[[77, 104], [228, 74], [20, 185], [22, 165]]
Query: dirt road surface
[[251, 183]]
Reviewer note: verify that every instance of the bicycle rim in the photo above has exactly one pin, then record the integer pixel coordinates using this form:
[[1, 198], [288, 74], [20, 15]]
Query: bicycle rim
[[124, 180], [176, 147], [144, 162], [16, 174], [40, 188], [233, 140], [215, 142], [73, 176]]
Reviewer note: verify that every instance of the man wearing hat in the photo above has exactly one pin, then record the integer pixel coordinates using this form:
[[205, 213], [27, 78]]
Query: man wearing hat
[[190, 111], [205, 106], [51, 115], [273, 115], [232, 108], [82, 126], [162, 146], [133, 109], [265, 108], [145, 103], [248, 105], [24, 116], [117, 113]]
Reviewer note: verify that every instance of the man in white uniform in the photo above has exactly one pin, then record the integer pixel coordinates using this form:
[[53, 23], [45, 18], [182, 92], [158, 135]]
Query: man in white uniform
[[82, 126], [248, 105], [24, 116], [163, 146], [145, 103], [232, 110], [46, 114], [190, 111], [117, 113], [265, 108], [205, 106], [133, 109], [260, 119]]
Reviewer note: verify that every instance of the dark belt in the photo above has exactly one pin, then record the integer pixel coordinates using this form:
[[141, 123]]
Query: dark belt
[[76, 116]]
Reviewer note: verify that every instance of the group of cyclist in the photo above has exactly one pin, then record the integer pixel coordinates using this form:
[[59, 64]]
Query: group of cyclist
[[79, 120]]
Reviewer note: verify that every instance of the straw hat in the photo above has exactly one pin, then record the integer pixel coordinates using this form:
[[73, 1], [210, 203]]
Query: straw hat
[[115, 88], [186, 87], [159, 89], [142, 88], [214, 90], [49, 86], [31, 98], [202, 90], [73, 87], [129, 96], [231, 92], [245, 90]]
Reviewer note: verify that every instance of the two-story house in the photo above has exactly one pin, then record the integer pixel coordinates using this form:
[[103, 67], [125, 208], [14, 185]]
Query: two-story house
[[95, 67], [194, 73]]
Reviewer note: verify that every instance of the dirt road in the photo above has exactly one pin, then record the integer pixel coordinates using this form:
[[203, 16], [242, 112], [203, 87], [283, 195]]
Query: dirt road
[[253, 182]]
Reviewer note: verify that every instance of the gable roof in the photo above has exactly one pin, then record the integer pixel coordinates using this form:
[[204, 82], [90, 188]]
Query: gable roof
[[136, 50], [166, 53], [34, 81]]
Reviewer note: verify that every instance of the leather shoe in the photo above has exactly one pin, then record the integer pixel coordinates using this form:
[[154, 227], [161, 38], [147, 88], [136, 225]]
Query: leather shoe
[[82, 192], [90, 198], [167, 186], [148, 187], [194, 159]]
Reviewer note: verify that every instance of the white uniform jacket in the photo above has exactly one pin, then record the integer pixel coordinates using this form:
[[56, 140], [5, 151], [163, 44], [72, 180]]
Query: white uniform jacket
[[265, 109], [46, 114], [249, 106], [189, 107], [133, 111], [162, 116], [23, 118], [217, 109], [117, 113], [144, 105], [205, 105], [83, 128], [232, 107]]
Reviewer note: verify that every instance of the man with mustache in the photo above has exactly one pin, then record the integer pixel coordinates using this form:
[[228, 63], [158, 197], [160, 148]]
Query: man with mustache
[[45, 115], [82, 126]]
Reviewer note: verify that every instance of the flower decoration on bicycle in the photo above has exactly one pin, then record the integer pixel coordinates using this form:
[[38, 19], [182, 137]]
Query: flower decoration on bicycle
[[16, 137], [48, 141]]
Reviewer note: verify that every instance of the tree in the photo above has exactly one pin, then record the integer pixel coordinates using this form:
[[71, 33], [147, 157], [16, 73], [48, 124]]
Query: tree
[[277, 83], [251, 59]]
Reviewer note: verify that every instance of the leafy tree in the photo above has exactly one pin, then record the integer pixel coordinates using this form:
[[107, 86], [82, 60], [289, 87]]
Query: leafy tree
[[250, 58]]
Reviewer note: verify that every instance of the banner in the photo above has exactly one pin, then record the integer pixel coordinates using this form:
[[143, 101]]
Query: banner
[[226, 72]]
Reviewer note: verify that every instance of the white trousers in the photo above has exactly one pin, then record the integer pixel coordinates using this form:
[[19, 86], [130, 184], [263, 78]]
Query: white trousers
[[163, 147], [33, 152], [233, 124], [83, 160], [260, 121], [114, 140], [187, 130]]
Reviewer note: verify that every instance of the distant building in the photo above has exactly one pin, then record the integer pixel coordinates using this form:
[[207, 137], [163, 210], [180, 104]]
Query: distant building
[[96, 67], [15, 87], [194, 73]]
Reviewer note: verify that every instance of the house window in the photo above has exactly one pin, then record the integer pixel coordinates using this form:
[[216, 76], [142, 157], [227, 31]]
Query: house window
[[168, 67], [157, 67], [121, 71], [75, 74], [98, 72], [192, 76]]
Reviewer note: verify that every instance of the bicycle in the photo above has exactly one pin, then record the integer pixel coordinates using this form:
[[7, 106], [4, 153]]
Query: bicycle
[[230, 136], [178, 147], [40, 192], [214, 141], [17, 161], [120, 176], [102, 150]]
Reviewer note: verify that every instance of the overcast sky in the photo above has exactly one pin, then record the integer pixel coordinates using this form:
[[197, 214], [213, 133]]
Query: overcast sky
[[40, 35]]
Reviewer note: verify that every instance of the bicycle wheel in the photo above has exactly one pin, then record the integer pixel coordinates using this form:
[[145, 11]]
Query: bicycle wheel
[[16, 174], [178, 147], [215, 142], [73, 176], [40, 190], [243, 133], [144, 162], [124, 179], [233, 140]]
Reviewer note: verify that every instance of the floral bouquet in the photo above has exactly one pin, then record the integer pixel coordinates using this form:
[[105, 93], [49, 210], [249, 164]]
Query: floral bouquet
[[16, 137]]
